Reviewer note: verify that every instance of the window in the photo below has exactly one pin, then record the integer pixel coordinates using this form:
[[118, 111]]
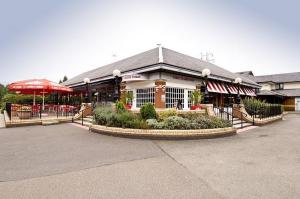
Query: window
[[173, 95], [279, 86], [144, 96], [189, 99]]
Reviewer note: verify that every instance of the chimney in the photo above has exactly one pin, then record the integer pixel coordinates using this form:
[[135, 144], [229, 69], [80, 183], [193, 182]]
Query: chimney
[[160, 54]]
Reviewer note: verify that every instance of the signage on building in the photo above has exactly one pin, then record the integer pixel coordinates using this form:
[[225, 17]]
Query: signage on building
[[134, 77], [181, 77]]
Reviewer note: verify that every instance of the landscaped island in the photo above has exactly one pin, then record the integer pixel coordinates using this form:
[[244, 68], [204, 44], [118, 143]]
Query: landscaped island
[[148, 118]]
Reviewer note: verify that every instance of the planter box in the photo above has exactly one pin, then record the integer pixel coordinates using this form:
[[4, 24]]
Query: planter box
[[128, 106], [196, 107]]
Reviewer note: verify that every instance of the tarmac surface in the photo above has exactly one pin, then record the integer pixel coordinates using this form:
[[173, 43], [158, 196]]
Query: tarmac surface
[[66, 161]]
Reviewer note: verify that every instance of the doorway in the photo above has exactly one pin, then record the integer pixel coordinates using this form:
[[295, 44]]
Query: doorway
[[297, 104]]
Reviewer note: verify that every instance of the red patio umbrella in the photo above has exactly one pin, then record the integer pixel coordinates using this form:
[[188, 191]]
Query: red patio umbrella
[[38, 87]]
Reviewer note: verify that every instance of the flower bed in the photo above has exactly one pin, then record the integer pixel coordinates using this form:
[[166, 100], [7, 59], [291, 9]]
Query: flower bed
[[149, 119]]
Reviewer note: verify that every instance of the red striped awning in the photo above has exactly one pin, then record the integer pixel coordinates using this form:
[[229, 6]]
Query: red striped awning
[[216, 87], [249, 91], [233, 90]]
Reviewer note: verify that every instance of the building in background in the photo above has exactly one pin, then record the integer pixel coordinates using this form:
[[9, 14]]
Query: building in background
[[162, 76], [279, 88]]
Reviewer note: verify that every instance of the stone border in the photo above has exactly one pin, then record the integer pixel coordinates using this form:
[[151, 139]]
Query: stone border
[[163, 134]]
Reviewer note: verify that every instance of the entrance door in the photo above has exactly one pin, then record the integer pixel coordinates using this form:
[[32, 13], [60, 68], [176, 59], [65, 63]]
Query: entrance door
[[297, 104]]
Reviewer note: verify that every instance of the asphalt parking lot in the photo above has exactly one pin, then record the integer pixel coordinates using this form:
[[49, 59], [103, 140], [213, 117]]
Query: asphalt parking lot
[[66, 161]]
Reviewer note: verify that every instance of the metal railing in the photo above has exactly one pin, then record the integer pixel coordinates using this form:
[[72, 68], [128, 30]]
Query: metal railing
[[241, 115], [226, 113], [265, 111], [26, 111]]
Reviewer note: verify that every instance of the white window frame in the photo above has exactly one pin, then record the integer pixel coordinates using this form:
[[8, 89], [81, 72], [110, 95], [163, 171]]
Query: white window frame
[[174, 95], [143, 97]]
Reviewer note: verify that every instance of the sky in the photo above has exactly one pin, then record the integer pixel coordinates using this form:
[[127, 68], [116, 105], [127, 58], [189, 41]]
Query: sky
[[52, 38]]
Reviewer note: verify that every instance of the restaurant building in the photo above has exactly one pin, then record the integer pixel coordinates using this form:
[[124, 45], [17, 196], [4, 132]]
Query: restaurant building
[[162, 76], [278, 88]]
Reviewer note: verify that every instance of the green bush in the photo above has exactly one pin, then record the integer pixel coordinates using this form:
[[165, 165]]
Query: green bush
[[196, 97], [162, 115], [175, 122], [253, 103], [219, 123], [154, 124], [261, 107], [105, 115], [148, 111], [120, 106]]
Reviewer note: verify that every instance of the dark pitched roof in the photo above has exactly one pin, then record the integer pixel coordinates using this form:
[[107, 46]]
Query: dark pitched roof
[[150, 58], [290, 92], [279, 78], [270, 93], [178, 59], [247, 73], [147, 58]]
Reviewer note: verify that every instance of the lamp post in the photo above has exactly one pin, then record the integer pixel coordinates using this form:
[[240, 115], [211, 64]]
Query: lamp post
[[117, 74], [87, 92], [238, 81], [205, 73]]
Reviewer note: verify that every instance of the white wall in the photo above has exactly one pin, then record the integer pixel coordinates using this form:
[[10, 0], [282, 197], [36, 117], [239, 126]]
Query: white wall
[[292, 85], [140, 84], [267, 86]]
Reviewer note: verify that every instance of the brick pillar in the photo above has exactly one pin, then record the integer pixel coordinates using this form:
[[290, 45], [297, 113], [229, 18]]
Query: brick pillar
[[160, 94], [122, 92]]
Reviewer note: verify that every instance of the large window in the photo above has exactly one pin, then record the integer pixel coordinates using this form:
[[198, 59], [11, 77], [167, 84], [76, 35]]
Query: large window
[[144, 96], [173, 95]]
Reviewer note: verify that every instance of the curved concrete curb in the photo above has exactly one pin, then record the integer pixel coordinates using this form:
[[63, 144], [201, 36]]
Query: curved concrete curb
[[163, 134]]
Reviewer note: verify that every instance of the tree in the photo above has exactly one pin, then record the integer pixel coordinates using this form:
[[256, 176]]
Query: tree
[[3, 91], [65, 78], [60, 81]]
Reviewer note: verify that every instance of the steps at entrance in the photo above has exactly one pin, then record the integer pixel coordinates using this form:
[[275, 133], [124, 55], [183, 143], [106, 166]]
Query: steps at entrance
[[227, 115], [237, 123]]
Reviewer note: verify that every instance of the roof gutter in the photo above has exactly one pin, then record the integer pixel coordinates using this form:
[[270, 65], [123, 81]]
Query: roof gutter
[[165, 67]]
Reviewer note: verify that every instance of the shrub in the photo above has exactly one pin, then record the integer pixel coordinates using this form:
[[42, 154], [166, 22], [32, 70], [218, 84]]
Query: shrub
[[120, 106], [154, 124], [190, 114], [167, 113], [208, 122], [196, 97], [103, 114], [175, 122], [219, 123], [148, 111]]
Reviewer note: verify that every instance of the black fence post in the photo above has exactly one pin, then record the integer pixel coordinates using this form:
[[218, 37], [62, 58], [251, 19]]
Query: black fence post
[[57, 107], [8, 109], [241, 119], [41, 106]]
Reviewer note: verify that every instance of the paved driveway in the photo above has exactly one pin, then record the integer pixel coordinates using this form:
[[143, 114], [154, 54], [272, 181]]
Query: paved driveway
[[66, 161]]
